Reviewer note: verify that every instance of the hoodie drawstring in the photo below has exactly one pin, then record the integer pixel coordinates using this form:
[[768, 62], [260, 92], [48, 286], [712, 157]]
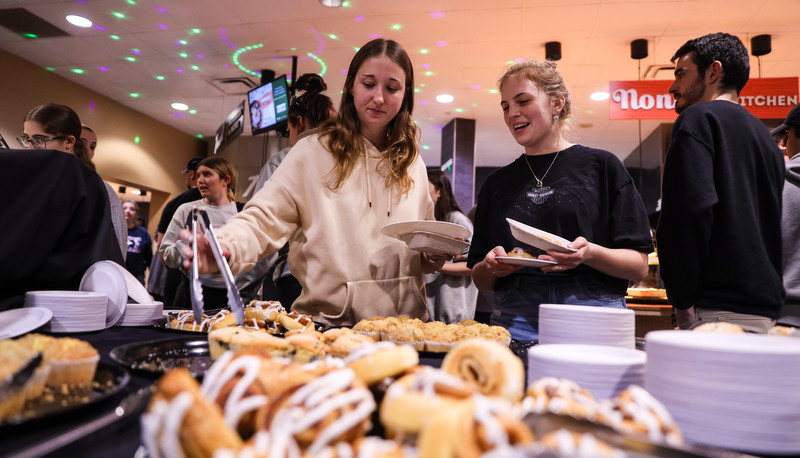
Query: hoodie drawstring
[[369, 189]]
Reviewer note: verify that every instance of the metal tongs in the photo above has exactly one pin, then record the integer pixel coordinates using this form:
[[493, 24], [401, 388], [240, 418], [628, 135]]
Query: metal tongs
[[201, 223]]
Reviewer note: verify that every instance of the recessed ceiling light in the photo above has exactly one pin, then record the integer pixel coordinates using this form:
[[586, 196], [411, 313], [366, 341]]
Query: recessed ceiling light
[[444, 98], [180, 106], [79, 21], [601, 95]]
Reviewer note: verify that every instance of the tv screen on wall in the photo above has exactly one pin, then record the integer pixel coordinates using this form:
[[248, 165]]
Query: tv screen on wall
[[269, 105]]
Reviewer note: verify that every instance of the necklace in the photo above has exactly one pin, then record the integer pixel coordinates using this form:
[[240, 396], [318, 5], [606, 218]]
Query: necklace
[[538, 181]]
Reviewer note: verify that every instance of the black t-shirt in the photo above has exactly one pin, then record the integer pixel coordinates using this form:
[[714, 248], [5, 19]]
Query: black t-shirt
[[587, 192], [189, 195]]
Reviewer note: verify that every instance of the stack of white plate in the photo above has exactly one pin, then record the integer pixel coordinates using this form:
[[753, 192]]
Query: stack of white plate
[[736, 391], [602, 370], [141, 314], [585, 324], [73, 311]]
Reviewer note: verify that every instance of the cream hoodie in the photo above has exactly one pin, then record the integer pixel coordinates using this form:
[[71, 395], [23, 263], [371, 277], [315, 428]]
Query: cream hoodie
[[347, 268]]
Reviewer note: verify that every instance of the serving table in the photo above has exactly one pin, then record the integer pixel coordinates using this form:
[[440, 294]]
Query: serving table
[[651, 315]]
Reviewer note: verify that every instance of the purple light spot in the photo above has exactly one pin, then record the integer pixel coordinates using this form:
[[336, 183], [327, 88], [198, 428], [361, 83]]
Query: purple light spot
[[100, 28], [177, 42], [360, 18], [374, 35], [441, 43], [423, 102], [180, 70], [344, 71], [163, 26], [437, 14], [438, 127], [426, 65], [81, 1], [91, 105], [227, 66], [160, 10], [199, 56], [475, 86], [137, 52], [178, 115], [103, 69]]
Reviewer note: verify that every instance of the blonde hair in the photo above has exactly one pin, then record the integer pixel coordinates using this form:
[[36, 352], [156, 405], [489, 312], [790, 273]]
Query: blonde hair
[[546, 77], [343, 133], [135, 205], [222, 167]]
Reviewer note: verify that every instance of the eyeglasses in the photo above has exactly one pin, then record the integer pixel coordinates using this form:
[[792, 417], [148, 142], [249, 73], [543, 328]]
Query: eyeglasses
[[37, 142]]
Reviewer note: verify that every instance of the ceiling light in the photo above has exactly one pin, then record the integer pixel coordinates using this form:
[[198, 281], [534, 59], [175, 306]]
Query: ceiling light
[[598, 96], [331, 3], [184, 107], [444, 98], [79, 21]]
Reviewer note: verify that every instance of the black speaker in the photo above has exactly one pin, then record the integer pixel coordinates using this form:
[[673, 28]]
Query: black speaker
[[267, 76], [552, 50], [760, 45], [639, 49]]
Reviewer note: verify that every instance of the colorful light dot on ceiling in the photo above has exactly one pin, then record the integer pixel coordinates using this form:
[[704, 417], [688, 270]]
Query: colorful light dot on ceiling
[[493, 91], [416, 89], [160, 77], [293, 48], [421, 84], [159, 9], [118, 15], [195, 67], [423, 102], [360, 18], [459, 110], [199, 56], [345, 4], [426, 147], [192, 111], [332, 37], [136, 51], [428, 73], [441, 43], [182, 42], [79, 21], [396, 27], [50, 69], [437, 14], [183, 54], [114, 37], [100, 27], [136, 139], [163, 26], [30, 35], [77, 70], [239, 51], [423, 51], [102, 68], [134, 94], [475, 86], [194, 31], [180, 70], [131, 2], [130, 59], [320, 62], [200, 136]]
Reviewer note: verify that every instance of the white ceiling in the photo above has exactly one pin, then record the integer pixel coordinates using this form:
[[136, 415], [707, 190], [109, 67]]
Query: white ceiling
[[469, 43]]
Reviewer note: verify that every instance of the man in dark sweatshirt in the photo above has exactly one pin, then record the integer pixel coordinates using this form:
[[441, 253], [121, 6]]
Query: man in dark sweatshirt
[[719, 236]]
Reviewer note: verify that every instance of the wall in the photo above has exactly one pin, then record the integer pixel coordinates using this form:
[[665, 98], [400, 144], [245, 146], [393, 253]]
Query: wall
[[154, 163]]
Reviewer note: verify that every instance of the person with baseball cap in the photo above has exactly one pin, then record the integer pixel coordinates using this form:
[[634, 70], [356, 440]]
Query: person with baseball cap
[[790, 221]]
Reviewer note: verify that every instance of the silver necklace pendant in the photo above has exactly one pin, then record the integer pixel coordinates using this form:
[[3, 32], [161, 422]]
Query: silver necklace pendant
[[540, 194], [538, 183]]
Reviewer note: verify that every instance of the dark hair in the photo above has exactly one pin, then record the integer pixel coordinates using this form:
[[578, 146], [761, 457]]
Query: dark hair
[[61, 121], [343, 133], [722, 47], [313, 106], [447, 201], [222, 167]]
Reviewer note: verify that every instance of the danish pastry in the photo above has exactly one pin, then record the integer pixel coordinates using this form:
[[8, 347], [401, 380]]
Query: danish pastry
[[374, 362], [636, 411], [491, 367], [561, 396]]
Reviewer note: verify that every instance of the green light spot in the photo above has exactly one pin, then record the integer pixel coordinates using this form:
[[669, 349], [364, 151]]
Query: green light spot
[[416, 89], [426, 147], [293, 49], [50, 69], [332, 36], [183, 42], [184, 55], [118, 15], [423, 51], [493, 91], [136, 50], [396, 27], [193, 111], [114, 37], [429, 73], [131, 2], [136, 139], [422, 85], [30, 35], [195, 31], [200, 136], [160, 77], [195, 67], [130, 59], [77, 70], [345, 4], [459, 110], [134, 94], [357, 49]]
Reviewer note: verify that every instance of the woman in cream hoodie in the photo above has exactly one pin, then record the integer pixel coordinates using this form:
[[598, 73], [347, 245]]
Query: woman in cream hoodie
[[332, 194]]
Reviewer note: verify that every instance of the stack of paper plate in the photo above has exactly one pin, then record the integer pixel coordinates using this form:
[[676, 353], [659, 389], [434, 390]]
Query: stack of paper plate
[[73, 311], [141, 314], [736, 391], [602, 370], [108, 277], [585, 324]]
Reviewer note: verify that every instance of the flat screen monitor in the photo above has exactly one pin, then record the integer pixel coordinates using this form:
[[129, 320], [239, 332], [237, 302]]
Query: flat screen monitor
[[269, 105]]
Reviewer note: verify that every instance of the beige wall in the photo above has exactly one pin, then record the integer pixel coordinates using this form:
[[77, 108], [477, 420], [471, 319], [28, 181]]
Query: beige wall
[[153, 164]]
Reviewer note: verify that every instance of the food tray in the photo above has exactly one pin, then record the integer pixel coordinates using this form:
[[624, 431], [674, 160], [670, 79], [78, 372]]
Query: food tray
[[158, 356]]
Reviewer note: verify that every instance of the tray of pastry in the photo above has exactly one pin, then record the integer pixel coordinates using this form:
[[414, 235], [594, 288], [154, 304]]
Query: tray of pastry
[[109, 380], [159, 356], [269, 316]]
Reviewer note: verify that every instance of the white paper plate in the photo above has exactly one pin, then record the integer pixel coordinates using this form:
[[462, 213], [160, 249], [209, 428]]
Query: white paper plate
[[107, 277], [452, 230], [527, 262], [16, 322], [538, 238], [136, 290], [430, 242]]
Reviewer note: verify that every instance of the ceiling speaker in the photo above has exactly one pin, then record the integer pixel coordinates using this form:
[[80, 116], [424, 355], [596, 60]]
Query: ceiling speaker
[[639, 49], [552, 50], [760, 45], [267, 76]]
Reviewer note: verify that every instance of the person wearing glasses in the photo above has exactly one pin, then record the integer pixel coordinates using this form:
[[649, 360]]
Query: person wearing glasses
[[58, 127], [306, 112]]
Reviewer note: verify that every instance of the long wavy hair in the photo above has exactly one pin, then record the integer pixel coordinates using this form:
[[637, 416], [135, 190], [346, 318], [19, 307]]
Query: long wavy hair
[[61, 121], [342, 134], [222, 167]]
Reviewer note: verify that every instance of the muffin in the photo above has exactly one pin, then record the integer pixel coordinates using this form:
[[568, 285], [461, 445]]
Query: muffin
[[72, 362], [13, 357], [409, 334]]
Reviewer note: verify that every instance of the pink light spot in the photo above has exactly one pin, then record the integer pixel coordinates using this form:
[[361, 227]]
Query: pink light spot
[[180, 70], [137, 52], [199, 56], [441, 43], [438, 127], [227, 66], [374, 35], [344, 71], [91, 105], [160, 10], [178, 115], [163, 26], [177, 42], [437, 14], [360, 18], [475, 86], [423, 102], [426, 65], [103, 69], [100, 28]]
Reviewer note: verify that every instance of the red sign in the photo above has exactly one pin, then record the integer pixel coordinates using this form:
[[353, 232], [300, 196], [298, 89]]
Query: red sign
[[765, 98]]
